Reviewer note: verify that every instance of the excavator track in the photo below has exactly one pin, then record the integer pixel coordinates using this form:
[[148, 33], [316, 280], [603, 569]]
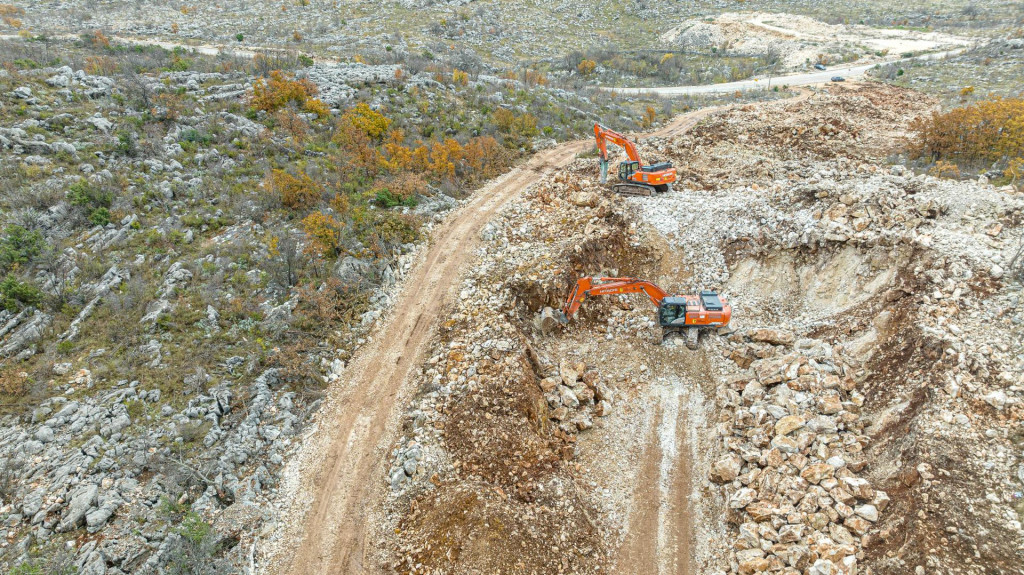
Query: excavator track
[[634, 189]]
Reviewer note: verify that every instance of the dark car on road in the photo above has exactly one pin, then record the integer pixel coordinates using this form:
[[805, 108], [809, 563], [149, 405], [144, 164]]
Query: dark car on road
[[819, 66], [838, 79]]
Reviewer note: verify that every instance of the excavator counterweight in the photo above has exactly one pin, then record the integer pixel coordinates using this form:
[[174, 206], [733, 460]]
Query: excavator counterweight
[[680, 314], [637, 178]]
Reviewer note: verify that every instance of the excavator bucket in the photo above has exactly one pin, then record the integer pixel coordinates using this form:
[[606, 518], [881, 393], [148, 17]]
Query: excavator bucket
[[551, 319]]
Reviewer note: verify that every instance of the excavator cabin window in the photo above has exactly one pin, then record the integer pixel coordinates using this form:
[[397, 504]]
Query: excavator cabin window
[[671, 312], [627, 169]]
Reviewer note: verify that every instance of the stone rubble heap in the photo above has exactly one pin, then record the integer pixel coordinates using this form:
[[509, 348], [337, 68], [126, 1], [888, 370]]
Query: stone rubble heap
[[794, 444]]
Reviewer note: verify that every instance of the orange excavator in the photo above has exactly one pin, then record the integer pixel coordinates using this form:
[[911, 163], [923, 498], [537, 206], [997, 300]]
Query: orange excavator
[[681, 314], [638, 179]]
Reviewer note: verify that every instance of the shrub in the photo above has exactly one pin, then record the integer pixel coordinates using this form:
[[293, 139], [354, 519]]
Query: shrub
[[323, 233], [987, 131], [586, 67], [99, 39], [944, 169], [82, 193], [15, 295], [100, 216], [239, 37], [534, 78], [443, 157], [28, 568], [460, 78], [524, 126], [193, 527], [297, 193], [391, 228], [19, 246], [278, 91], [13, 382], [400, 190], [1015, 170], [91, 199], [127, 143], [388, 199], [485, 157], [648, 118], [366, 120]]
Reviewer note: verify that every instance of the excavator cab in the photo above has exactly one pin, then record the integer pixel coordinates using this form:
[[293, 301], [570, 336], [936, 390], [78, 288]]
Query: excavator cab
[[627, 169], [672, 311]]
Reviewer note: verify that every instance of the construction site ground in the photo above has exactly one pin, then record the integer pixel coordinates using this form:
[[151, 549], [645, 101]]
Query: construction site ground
[[861, 414]]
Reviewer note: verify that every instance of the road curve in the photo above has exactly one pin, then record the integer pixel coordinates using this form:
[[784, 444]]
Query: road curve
[[803, 79]]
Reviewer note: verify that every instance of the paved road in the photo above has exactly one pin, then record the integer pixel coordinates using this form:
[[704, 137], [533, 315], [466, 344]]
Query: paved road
[[804, 79]]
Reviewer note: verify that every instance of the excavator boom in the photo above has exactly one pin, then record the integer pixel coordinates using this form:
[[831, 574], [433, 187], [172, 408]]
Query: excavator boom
[[604, 135], [684, 314], [586, 287]]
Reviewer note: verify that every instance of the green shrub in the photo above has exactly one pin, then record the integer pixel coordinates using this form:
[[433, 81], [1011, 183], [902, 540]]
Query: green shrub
[[100, 216], [19, 246], [84, 194], [28, 568], [15, 295], [127, 144], [239, 36], [195, 136], [387, 199], [193, 527], [26, 64]]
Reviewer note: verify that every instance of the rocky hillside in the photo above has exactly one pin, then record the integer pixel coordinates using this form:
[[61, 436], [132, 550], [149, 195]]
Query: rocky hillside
[[192, 248]]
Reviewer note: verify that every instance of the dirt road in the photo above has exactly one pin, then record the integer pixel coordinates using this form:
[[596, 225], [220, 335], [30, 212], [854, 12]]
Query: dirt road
[[344, 460], [802, 79], [341, 466]]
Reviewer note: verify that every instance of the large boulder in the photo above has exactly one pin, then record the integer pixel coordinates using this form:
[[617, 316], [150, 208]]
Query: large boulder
[[82, 500]]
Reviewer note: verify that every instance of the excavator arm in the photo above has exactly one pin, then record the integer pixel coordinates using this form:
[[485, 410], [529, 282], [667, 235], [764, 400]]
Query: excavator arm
[[604, 135], [589, 286]]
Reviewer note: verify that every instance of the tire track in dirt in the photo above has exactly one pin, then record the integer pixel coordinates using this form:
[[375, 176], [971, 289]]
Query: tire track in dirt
[[342, 463], [663, 536]]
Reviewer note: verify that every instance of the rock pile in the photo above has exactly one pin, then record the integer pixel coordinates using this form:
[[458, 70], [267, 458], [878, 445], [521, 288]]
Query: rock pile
[[794, 441], [574, 395]]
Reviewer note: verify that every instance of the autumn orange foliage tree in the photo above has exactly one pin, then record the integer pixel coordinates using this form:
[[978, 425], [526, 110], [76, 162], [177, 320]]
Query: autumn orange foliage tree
[[987, 131], [370, 122], [279, 90], [586, 67], [324, 234], [296, 192]]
